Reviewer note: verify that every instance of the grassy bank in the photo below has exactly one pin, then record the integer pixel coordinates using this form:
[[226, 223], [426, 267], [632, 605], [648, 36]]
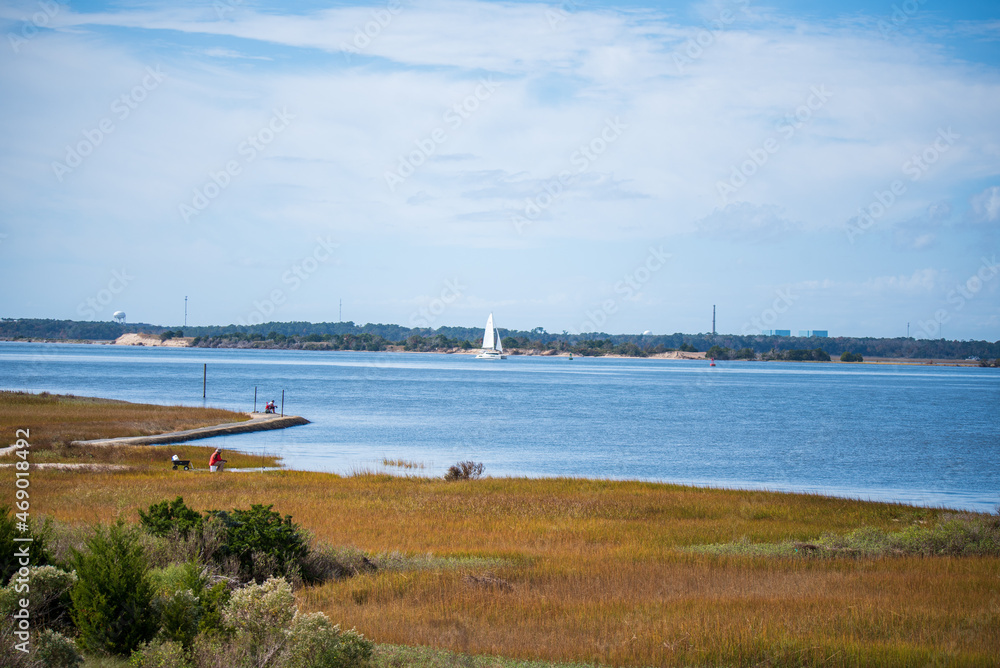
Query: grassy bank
[[581, 571], [54, 421]]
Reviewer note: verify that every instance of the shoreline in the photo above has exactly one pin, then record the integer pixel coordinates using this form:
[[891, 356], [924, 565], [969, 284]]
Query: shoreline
[[257, 422], [671, 355]]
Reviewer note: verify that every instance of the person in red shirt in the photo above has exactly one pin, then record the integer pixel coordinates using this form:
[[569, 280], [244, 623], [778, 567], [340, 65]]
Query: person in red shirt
[[216, 462]]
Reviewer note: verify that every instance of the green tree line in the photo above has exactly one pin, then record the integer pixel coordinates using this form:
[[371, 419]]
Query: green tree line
[[377, 336]]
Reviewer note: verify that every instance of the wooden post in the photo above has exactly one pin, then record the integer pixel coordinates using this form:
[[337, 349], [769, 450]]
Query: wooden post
[[254, 398], [282, 403], [204, 380]]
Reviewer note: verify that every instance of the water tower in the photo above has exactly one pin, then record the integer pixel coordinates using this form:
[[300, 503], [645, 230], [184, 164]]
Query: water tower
[[119, 317]]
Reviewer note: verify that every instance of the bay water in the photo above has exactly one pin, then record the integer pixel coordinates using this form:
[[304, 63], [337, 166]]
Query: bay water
[[926, 435]]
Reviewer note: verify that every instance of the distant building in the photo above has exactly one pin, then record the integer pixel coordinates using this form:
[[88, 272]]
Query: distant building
[[814, 332], [777, 332]]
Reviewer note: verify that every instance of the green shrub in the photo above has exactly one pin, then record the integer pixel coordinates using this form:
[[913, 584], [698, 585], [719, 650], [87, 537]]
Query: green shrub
[[9, 548], [160, 654], [213, 601], [314, 642], [179, 614], [264, 543], [257, 618], [54, 650], [847, 356], [113, 598], [166, 517], [49, 599]]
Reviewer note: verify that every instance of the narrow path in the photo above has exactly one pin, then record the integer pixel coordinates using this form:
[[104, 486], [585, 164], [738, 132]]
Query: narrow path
[[257, 422]]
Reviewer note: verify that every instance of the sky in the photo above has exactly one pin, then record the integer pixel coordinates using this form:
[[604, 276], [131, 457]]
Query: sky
[[585, 166]]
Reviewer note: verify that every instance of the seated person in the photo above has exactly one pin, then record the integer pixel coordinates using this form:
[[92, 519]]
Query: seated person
[[216, 462]]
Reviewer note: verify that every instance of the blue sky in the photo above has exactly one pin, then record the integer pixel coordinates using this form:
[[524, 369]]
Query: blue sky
[[579, 166]]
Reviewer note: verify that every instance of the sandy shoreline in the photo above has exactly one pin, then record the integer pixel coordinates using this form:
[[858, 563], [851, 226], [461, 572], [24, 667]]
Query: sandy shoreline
[[150, 340]]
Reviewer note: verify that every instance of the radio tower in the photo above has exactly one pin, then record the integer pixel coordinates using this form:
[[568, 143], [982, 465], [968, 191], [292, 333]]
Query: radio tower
[[713, 319]]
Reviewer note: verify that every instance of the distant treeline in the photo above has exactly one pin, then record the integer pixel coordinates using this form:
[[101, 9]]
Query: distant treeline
[[349, 336]]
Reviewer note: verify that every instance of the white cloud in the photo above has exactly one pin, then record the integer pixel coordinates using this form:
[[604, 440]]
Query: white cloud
[[920, 281], [986, 205]]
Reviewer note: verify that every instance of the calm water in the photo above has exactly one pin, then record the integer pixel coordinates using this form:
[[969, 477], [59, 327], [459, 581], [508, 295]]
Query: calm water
[[923, 435]]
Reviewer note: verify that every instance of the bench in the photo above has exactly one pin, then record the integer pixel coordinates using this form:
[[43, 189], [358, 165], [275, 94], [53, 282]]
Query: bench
[[186, 463]]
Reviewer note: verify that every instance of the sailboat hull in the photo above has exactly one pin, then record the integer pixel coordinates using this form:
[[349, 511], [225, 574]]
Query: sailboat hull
[[491, 355]]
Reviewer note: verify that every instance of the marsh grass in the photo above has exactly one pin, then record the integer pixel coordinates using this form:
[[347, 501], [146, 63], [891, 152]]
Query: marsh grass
[[954, 534], [400, 656], [402, 463], [592, 571], [55, 421]]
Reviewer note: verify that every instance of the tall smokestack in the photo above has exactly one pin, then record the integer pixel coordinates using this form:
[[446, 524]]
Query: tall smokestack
[[713, 319]]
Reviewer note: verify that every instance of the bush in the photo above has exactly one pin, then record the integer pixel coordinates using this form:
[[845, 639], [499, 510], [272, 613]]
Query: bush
[[257, 617], [213, 601], [180, 615], [113, 598], [49, 602], [37, 551], [464, 471], [167, 517], [54, 650], [848, 356], [326, 562], [160, 654], [315, 643], [262, 542]]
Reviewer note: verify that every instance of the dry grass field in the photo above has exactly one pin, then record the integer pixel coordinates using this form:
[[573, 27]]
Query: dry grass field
[[595, 571]]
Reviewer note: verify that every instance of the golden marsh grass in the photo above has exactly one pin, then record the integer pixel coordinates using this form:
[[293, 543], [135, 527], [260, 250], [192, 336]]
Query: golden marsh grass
[[597, 571]]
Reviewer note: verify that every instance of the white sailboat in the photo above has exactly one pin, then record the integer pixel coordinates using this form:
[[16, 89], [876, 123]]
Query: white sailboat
[[492, 348]]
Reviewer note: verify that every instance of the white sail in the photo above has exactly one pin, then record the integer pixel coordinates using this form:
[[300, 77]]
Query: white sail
[[492, 347], [488, 334]]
